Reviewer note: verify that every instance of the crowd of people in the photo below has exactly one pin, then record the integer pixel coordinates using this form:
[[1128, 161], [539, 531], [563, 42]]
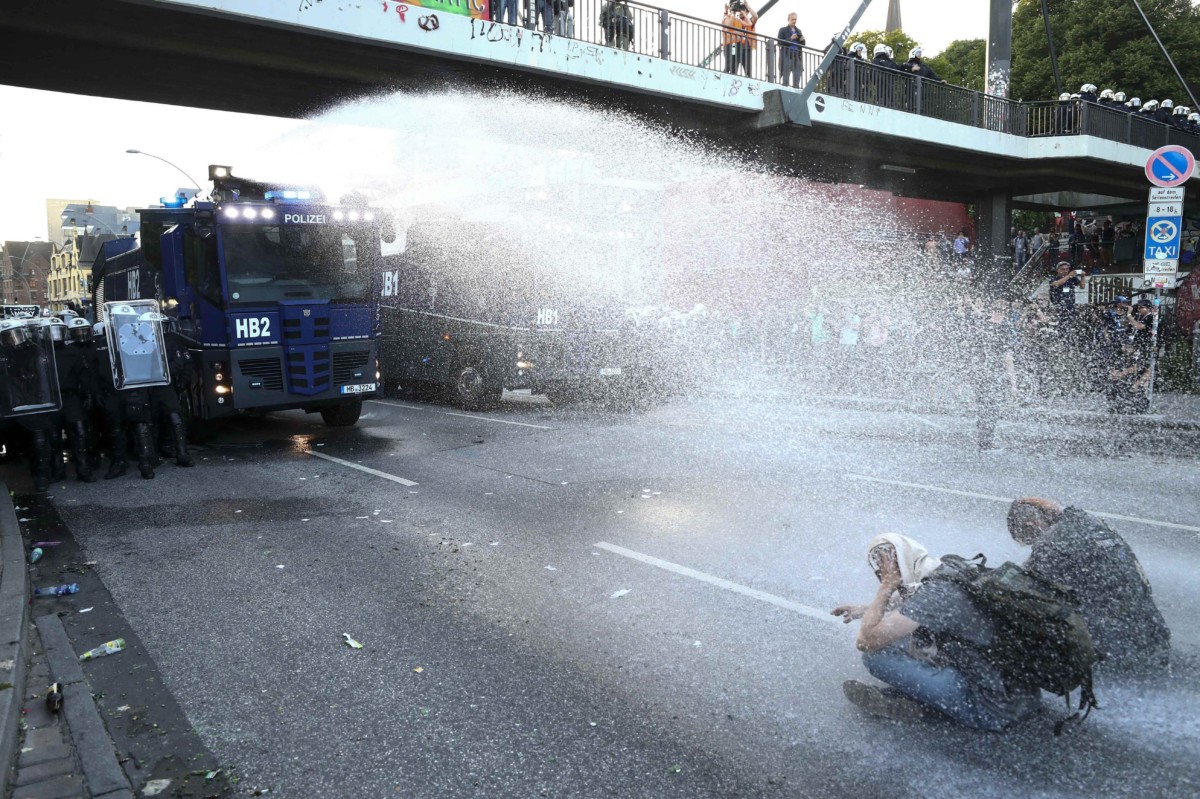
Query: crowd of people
[[1165, 112], [93, 413]]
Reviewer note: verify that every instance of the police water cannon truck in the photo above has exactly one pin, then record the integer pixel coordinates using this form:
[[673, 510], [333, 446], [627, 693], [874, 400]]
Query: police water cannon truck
[[272, 288]]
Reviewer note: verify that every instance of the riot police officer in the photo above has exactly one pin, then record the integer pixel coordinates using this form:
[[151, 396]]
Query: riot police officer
[[1087, 93], [123, 409], [164, 400], [32, 394], [73, 363]]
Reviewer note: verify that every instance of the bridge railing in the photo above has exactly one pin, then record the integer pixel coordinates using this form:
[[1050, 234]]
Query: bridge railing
[[702, 43]]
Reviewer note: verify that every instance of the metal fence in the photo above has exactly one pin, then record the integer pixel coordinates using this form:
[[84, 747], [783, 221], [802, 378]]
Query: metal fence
[[706, 44]]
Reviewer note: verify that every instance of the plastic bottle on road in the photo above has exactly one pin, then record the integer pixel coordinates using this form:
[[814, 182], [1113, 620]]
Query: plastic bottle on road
[[58, 590], [35, 554], [109, 648]]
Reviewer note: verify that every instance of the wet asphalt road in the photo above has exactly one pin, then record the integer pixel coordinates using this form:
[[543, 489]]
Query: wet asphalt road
[[586, 602]]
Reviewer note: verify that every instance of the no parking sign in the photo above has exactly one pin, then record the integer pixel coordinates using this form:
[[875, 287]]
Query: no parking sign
[[1170, 166]]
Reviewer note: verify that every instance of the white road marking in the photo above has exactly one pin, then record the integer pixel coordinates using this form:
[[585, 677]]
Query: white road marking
[[362, 468], [934, 425], [994, 498], [753, 593], [464, 415], [497, 421]]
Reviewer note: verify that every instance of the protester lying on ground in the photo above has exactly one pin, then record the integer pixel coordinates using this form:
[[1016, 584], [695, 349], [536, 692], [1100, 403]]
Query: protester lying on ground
[[1082, 553], [913, 638]]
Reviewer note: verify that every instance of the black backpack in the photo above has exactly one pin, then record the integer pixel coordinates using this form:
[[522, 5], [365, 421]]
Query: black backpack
[[1041, 639]]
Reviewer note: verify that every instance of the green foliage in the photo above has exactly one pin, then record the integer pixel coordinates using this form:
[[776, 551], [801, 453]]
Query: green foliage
[[1030, 221], [962, 63], [899, 41], [1106, 43]]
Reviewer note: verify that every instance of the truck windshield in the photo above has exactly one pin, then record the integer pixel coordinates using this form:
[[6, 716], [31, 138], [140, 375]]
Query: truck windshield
[[269, 263]]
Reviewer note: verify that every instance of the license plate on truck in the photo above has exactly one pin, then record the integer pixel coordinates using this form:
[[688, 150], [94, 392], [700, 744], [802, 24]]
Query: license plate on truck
[[610, 371], [361, 388]]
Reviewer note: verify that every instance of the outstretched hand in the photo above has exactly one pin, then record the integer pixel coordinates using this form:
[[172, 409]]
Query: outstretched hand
[[849, 613]]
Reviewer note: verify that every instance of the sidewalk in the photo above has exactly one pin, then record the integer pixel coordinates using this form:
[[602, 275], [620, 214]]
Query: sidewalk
[[46, 755]]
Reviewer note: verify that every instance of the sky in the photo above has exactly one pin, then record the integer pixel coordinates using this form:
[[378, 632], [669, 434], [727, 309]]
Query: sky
[[80, 153]]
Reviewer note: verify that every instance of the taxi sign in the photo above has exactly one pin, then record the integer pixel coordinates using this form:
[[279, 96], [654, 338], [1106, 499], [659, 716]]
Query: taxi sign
[[1170, 166]]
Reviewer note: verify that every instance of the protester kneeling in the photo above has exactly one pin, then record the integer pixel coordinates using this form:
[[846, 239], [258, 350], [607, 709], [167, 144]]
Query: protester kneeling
[[928, 641]]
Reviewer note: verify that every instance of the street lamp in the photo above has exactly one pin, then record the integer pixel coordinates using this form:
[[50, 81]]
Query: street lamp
[[168, 163]]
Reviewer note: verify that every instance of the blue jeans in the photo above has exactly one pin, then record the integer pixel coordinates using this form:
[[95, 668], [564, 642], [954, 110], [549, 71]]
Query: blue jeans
[[506, 11], [942, 688]]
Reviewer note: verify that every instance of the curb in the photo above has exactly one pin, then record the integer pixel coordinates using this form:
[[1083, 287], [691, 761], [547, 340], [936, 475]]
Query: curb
[[14, 633], [1031, 414], [102, 774]]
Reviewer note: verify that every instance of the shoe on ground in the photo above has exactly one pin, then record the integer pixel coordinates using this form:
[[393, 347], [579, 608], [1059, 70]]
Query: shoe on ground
[[881, 703]]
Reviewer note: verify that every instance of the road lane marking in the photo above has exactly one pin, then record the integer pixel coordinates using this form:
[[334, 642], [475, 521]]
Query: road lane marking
[[934, 425], [497, 421], [366, 469], [994, 498], [753, 593], [464, 415]]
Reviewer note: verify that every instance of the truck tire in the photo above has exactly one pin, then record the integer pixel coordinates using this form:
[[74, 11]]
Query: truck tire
[[471, 386], [344, 415]]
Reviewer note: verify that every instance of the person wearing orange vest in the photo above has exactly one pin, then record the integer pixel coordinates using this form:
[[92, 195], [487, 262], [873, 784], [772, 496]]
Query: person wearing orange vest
[[738, 37]]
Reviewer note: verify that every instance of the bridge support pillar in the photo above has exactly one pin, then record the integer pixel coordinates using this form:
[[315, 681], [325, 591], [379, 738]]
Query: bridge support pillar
[[993, 263], [999, 48]]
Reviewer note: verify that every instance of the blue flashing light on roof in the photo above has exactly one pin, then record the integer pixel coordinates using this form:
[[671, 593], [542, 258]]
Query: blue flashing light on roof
[[288, 195], [172, 202]]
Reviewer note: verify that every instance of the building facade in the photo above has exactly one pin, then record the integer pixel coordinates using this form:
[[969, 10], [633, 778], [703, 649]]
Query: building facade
[[69, 284], [24, 271]]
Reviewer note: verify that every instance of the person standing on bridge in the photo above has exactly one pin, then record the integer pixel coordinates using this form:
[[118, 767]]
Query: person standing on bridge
[[616, 19], [504, 11], [790, 53], [738, 36]]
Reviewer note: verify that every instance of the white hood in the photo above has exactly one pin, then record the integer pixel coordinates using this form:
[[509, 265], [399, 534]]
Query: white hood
[[915, 561]]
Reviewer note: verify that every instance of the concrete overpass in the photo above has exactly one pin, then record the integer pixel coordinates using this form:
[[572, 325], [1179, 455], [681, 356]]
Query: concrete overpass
[[294, 57]]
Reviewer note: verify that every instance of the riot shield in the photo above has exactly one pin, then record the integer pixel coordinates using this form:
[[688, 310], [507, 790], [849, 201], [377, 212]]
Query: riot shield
[[28, 379], [136, 344]]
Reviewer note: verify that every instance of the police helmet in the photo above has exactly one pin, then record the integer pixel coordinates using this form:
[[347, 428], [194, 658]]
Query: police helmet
[[1150, 105], [1065, 96], [13, 333], [916, 52], [880, 48], [152, 316], [860, 48], [1107, 94], [1181, 110], [98, 329], [1194, 117], [78, 329], [1075, 96], [891, 53], [1087, 87], [58, 329], [1119, 97], [1135, 103], [1168, 103], [123, 310]]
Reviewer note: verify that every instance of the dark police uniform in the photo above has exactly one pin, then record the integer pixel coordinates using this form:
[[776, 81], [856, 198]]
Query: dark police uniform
[[164, 400]]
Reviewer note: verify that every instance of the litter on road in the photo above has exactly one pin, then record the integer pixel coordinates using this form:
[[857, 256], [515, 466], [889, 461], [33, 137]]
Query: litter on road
[[57, 590], [87, 610], [108, 648], [350, 642], [35, 554], [622, 592]]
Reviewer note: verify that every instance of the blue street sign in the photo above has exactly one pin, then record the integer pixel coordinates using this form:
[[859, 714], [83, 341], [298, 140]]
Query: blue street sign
[[1162, 237], [1170, 166]]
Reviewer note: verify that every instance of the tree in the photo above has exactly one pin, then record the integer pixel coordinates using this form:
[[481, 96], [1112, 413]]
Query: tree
[[962, 63], [1106, 43], [899, 41]]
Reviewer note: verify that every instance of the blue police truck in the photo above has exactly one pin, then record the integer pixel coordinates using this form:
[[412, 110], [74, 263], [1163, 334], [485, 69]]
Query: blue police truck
[[273, 289]]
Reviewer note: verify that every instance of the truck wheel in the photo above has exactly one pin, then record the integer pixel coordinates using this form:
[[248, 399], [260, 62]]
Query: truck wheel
[[342, 415], [471, 386]]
